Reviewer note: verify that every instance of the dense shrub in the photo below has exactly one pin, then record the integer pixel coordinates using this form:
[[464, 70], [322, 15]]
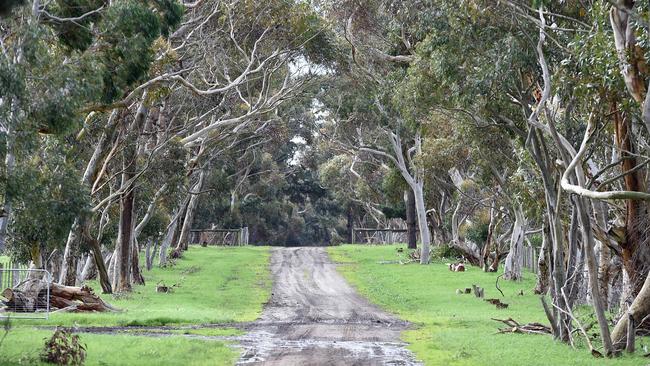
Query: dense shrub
[[445, 251]]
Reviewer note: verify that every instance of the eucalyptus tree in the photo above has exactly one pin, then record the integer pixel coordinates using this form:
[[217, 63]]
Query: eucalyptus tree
[[258, 72], [376, 64], [71, 55], [470, 70]]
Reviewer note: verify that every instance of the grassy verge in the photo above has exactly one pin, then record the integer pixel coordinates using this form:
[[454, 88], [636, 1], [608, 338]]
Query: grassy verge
[[211, 285], [22, 347], [452, 329]]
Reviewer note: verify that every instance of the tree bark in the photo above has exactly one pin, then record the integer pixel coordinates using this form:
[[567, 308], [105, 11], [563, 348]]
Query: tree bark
[[71, 250], [543, 273], [136, 274], [425, 238], [411, 226], [68, 275], [350, 225], [31, 296], [514, 260], [487, 247], [635, 252], [172, 232], [124, 245], [588, 246], [189, 213], [10, 164]]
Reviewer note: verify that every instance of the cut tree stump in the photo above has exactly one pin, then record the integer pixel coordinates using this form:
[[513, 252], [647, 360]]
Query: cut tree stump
[[31, 296]]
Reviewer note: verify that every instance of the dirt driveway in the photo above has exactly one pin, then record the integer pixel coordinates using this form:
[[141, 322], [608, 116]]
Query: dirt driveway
[[315, 318]]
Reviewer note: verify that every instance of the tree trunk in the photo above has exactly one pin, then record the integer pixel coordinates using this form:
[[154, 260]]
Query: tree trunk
[[350, 225], [68, 275], [411, 226], [588, 246], [543, 273], [514, 260], [87, 269], [72, 244], [31, 296], [487, 247], [136, 274], [639, 309], [125, 237], [425, 238], [100, 265], [171, 233], [10, 164], [54, 264], [635, 252], [189, 214]]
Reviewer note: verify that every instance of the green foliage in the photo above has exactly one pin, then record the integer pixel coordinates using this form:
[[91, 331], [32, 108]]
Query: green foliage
[[48, 197], [536, 240], [393, 187], [172, 12], [445, 252], [129, 29], [76, 35], [477, 233]]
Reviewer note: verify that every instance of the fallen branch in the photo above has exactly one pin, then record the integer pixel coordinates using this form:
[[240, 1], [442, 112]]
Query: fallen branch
[[497, 285], [530, 328]]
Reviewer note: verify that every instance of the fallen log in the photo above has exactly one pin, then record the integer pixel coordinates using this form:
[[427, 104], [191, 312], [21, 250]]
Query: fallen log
[[32, 295]]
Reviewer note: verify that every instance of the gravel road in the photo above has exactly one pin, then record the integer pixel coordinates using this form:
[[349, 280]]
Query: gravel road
[[315, 317]]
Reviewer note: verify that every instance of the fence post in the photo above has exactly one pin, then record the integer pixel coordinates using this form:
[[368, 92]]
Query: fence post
[[1, 275], [13, 276]]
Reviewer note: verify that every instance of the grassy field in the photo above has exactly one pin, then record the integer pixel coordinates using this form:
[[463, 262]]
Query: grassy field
[[452, 329], [211, 285]]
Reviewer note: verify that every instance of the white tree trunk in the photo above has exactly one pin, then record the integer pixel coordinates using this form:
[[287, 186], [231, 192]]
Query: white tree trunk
[[72, 244], [421, 210], [514, 260], [10, 164], [189, 213]]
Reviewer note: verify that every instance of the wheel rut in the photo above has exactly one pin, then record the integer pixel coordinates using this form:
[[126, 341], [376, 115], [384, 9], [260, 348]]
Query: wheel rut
[[314, 317]]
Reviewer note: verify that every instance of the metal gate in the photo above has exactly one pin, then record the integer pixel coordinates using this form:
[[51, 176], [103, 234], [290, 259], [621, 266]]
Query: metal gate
[[12, 277]]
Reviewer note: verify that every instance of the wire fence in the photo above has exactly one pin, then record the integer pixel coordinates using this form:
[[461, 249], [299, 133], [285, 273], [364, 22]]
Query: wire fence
[[25, 292], [12, 274]]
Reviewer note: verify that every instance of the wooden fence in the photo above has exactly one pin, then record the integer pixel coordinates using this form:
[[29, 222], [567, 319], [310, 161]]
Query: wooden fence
[[378, 236], [531, 255], [228, 237]]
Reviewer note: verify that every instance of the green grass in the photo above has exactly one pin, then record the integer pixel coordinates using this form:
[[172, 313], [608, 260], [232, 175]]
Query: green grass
[[22, 347], [452, 329], [210, 285], [213, 285]]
